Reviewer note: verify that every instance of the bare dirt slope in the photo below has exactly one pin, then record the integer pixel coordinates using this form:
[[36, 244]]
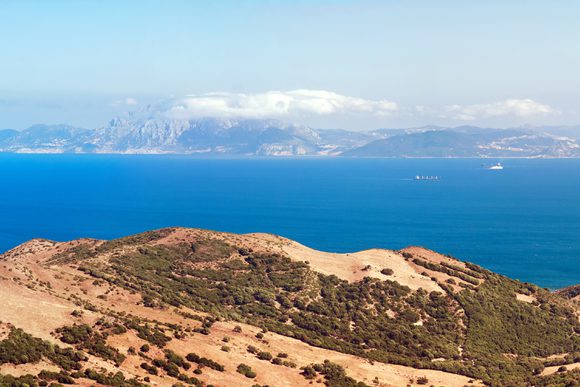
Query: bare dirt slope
[[355, 266]]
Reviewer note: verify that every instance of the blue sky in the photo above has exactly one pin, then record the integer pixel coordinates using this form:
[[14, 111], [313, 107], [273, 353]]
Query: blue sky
[[495, 63]]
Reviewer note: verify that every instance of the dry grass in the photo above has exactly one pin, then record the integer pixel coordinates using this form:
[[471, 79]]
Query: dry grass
[[553, 369]]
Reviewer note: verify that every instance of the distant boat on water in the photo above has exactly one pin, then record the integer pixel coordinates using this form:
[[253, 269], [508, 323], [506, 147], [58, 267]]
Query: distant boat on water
[[436, 178], [496, 167]]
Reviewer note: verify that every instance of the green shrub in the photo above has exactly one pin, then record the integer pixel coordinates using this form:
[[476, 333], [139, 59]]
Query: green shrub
[[265, 356], [192, 357], [84, 337], [246, 370]]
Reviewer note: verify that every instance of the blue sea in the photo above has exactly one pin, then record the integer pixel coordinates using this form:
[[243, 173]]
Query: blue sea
[[523, 222]]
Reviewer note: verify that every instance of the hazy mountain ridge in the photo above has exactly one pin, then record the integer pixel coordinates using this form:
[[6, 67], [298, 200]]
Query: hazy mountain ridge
[[476, 142], [253, 137]]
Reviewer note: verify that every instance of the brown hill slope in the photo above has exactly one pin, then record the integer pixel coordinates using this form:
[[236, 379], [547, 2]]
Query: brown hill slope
[[189, 306]]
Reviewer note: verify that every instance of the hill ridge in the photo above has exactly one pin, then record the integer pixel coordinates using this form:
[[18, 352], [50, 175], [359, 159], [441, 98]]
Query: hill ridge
[[384, 314]]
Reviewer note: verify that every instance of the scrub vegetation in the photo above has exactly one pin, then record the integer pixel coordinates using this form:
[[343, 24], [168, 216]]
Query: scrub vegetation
[[480, 330]]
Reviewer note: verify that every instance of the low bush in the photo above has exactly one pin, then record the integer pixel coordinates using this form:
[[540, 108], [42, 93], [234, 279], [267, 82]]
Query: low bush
[[246, 370]]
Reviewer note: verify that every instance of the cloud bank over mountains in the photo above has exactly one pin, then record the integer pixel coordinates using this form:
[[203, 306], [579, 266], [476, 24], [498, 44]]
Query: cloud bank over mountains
[[521, 108], [274, 104], [311, 107], [305, 105]]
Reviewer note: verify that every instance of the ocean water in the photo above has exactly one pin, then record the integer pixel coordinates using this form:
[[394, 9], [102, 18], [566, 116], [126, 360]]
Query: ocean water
[[523, 222]]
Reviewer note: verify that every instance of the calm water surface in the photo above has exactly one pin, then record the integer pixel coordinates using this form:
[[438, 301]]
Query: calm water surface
[[523, 221]]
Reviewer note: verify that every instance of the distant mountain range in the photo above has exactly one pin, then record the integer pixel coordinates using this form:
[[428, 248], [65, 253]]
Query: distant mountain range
[[244, 137], [471, 142]]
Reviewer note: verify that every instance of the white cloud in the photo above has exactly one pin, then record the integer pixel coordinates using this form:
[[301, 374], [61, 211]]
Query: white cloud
[[274, 104], [520, 108], [129, 101]]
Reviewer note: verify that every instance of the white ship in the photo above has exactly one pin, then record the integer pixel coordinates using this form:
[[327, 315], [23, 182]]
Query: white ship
[[495, 167], [426, 177]]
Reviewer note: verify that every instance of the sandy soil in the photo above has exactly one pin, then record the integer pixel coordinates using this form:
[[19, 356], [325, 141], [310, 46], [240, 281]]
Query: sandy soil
[[35, 312], [553, 369], [25, 369], [525, 298], [355, 266]]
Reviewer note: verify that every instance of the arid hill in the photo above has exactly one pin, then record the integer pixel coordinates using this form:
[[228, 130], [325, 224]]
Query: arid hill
[[195, 307]]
